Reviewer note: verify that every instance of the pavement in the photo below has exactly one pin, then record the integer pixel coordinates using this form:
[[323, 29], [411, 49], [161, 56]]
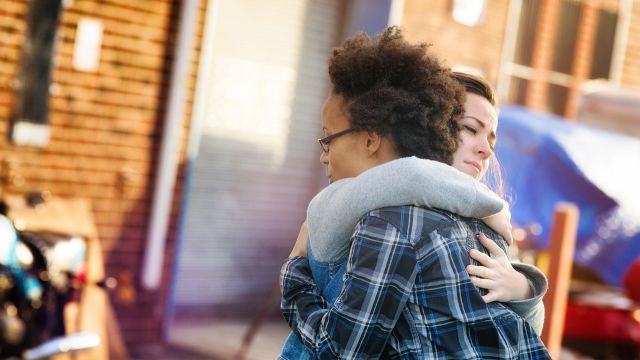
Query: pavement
[[218, 339], [207, 338]]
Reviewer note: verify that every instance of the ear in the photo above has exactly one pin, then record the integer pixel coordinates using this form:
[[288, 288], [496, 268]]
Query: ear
[[373, 142]]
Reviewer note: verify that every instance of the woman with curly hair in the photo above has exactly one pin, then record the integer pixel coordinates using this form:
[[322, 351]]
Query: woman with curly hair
[[398, 286]]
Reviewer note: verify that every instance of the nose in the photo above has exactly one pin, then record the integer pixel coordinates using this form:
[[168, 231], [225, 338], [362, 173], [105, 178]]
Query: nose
[[483, 148], [324, 158]]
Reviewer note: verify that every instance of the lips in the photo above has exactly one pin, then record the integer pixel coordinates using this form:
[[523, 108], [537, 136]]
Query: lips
[[475, 165]]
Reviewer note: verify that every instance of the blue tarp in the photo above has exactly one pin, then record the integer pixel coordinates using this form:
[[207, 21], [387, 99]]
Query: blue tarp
[[546, 160]]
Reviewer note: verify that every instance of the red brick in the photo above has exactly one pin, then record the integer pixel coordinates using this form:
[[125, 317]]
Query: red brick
[[102, 124]]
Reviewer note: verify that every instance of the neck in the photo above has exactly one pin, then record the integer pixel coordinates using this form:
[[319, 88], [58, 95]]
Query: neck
[[385, 153]]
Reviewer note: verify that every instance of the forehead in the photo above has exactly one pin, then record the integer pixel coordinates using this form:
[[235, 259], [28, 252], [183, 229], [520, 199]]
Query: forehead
[[334, 114], [478, 107]]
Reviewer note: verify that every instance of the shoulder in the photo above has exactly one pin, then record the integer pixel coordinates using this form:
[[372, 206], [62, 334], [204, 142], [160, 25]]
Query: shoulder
[[412, 220], [329, 195], [332, 189]]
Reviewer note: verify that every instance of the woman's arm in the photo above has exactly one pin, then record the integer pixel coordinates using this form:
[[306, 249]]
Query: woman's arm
[[407, 181], [501, 223]]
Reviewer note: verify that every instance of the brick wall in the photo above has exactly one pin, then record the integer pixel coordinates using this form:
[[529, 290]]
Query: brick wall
[[105, 131], [479, 46]]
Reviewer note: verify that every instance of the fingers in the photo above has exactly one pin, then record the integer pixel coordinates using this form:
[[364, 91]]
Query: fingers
[[491, 246], [490, 297], [480, 271], [482, 258], [482, 283], [487, 285]]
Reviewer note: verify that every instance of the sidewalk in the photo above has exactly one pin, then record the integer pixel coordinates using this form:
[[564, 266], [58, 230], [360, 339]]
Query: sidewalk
[[220, 339]]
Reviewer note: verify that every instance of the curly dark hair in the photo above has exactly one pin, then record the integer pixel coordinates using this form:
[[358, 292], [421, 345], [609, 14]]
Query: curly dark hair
[[401, 91]]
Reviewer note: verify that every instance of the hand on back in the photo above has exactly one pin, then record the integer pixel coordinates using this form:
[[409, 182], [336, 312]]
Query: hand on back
[[496, 274]]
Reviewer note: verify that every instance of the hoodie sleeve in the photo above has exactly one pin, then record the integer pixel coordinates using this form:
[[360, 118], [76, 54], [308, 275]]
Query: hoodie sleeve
[[333, 213]]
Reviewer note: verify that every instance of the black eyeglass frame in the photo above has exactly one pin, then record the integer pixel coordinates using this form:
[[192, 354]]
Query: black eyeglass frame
[[325, 141]]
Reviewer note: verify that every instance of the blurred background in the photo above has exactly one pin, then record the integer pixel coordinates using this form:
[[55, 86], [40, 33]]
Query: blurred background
[[190, 127]]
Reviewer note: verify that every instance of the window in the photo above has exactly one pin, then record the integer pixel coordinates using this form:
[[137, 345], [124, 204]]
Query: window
[[576, 39]]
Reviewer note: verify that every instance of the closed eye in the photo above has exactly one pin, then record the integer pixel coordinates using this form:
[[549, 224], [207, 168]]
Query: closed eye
[[470, 129]]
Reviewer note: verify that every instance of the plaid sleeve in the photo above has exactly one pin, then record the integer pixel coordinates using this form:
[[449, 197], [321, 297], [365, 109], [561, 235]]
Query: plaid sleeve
[[379, 278], [296, 281]]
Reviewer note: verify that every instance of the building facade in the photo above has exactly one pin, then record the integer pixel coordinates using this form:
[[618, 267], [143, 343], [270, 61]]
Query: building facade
[[538, 53], [104, 131], [247, 141]]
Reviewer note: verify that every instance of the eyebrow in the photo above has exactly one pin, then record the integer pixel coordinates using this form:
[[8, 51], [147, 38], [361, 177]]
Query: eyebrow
[[482, 124]]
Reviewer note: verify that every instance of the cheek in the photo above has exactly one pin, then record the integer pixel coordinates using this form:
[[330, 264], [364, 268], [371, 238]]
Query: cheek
[[465, 142], [456, 157], [336, 161], [464, 139]]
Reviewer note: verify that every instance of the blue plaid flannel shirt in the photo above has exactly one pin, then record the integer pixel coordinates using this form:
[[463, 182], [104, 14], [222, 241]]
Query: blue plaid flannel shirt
[[406, 295]]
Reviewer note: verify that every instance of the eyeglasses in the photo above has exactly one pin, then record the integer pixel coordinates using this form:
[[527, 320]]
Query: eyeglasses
[[324, 142]]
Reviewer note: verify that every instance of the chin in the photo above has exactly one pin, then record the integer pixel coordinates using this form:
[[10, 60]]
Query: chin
[[471, 171]]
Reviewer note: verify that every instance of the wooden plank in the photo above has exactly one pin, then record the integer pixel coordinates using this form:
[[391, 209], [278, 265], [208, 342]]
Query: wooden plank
[[94, 304], [562, 247]]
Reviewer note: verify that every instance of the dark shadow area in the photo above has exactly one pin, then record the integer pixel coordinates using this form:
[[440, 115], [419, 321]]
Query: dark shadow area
[[32, 93]]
